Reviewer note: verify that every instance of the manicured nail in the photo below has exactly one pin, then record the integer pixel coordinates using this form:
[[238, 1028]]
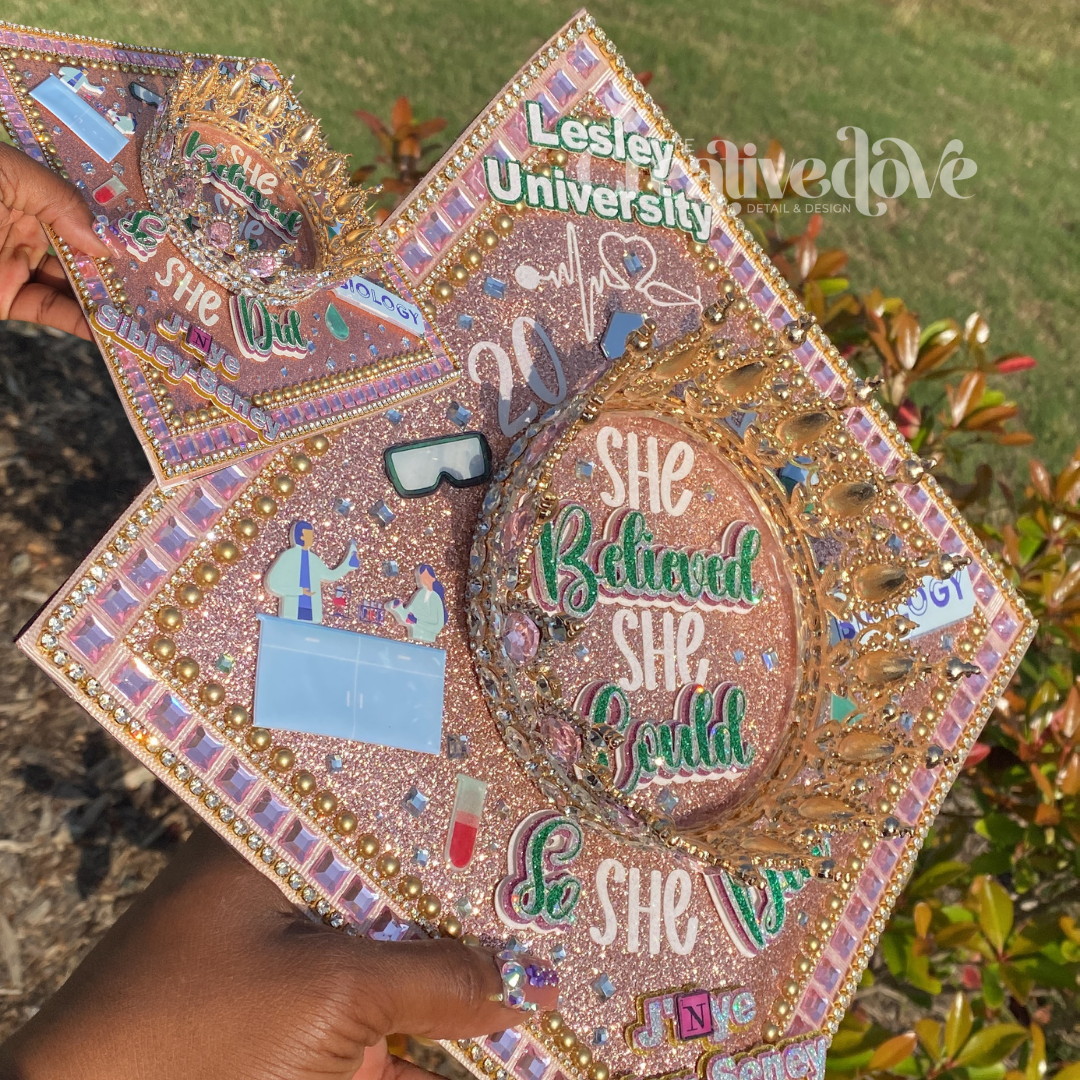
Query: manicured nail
[[529, 983]]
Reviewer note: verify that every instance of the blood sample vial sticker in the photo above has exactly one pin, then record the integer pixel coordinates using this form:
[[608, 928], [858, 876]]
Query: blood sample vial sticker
[[465, 821]]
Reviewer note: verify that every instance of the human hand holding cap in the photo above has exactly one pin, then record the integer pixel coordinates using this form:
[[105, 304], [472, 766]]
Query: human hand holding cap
[[212, 971], [33, 286]]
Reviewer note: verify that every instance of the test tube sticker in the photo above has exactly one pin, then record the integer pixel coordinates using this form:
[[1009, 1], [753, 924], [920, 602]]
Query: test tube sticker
[[465, 820]]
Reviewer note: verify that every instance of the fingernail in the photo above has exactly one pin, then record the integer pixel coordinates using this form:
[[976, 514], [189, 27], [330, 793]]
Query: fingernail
[[529, 983]]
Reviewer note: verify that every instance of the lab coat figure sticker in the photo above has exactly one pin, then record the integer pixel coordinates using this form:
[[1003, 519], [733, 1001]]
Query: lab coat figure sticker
[[295, 577], [425, 614]]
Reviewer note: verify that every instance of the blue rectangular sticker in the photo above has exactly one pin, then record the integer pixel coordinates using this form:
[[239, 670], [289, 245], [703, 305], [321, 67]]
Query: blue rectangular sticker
[[324, 681], [374, 299], [80, 117]]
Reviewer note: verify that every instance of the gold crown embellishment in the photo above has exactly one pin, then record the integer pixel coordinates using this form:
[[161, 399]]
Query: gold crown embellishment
[[251, 192], [830, 772]]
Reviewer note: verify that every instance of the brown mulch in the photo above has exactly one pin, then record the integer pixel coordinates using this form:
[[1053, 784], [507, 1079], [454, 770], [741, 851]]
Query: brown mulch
[[83, 826]]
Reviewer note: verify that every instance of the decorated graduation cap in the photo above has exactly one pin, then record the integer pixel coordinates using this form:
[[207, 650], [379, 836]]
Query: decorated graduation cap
[[232, 313], [660, 651]]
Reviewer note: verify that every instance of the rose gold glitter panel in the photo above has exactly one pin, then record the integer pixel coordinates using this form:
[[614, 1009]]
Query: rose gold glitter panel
[[708, 855], [232, 312]]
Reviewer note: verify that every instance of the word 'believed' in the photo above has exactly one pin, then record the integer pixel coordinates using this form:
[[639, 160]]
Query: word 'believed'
[[573, 573], [232, 182], [668, 899], [695, 1014]]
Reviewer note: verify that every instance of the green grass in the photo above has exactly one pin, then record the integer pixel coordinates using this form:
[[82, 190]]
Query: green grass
[[1002, 79]]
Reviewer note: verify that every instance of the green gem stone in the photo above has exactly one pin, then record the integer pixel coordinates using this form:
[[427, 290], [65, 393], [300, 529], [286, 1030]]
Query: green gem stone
[[336, 324]]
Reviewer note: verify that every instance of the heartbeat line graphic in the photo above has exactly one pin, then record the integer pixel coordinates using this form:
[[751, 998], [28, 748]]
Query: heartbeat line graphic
[[611, 276]]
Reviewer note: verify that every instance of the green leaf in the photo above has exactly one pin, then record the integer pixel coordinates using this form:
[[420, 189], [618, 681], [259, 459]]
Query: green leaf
[[991, 1072], [939, 875], [993, 995], [1018, 981], [929, 1032], [995, 912], [892, 949], [934, 329], [998, 861], [993, 1044], [1000, 830], [831, 286], [957, 1025], [990, 398]]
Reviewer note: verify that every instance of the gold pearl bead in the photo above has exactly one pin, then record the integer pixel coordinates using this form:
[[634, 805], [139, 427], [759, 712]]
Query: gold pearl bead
[[489, 238], [283, 484], [303, 782], [163, 648], [802, 965], [473, 258], [567, 1040], [710, 265], [813, 944], [207, 574], [770, 1033], [325, 802], [169, 618], [246, 529], [451, 926], [427, 307], [458, 273], [503, 223], [189, 595], [470, 939], [226, 551], [264, 506], [367, 845], [583, 1056], [345, 822], [283, 759], [237, 716], [791, 988], [553, 1022], [430, 906], [558, 157], [410, 886], [317, 444], [388, 864], [442, 290], [258, 738], [300, 464], [599, 1071], [213, 693], [697, 247], [185, 669]]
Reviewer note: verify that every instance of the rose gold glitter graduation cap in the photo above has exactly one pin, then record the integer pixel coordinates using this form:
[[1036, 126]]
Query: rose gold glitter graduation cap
[[231, 314], [644, 642]]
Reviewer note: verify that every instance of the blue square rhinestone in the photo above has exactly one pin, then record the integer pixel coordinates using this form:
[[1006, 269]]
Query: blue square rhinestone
[[494, 288]]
